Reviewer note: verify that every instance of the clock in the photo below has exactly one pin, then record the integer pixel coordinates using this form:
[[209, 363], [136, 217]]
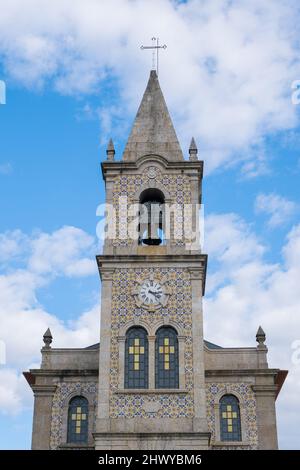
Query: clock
[[151, 294]]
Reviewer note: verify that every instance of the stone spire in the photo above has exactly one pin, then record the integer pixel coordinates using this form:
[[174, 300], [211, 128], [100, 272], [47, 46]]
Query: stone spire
[[110, 151], [47, 338], [193, 151], [153, 131]]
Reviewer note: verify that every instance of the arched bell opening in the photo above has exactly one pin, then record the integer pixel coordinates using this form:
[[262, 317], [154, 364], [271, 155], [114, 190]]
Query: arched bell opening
[[151, 217]]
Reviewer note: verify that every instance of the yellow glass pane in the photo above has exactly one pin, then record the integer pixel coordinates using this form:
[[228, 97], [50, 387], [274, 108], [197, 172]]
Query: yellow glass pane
[[172, 349], [228, 407], [83, 416], [78, 423], [224, 414], [167, 357], [78, 409], [74, 416], [136, 366], [229, 422], [142, 350], [229, 428], [234, 414], [136, 349], [131, 350], [77, 430], [78, 416], [167, 349], [167, 366], [136, 342], [166, 341], [161, 349], [229, 414]]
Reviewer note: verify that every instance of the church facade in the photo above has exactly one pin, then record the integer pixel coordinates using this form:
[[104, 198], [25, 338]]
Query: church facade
[[153, 381]]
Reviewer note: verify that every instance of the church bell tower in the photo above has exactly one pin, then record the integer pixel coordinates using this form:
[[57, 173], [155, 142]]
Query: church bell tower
[[151, 364]]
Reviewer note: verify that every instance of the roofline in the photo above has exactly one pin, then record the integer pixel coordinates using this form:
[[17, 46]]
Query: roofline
[[280, 379]]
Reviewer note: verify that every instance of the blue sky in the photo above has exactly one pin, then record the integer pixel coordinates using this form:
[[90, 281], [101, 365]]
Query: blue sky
[[75, 80]]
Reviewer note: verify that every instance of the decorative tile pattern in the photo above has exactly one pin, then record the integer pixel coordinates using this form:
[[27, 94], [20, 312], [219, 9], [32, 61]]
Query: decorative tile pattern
[[165, 406], [247, 407], [178, 187], [178, 310], [60, 405]]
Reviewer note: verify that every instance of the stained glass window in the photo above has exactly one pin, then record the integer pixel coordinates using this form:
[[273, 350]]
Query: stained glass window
[[136, 358], [166, 358], [230, 420], [78, 420]]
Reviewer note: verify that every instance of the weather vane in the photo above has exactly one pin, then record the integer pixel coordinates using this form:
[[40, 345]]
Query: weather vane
[[155, 47]]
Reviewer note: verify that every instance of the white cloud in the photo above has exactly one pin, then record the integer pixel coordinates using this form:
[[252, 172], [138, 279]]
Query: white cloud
[[226, 72], [58, 253], [255, 292], [23, 319], [11, 244], [279, 209], [14, 392], [230, 245]]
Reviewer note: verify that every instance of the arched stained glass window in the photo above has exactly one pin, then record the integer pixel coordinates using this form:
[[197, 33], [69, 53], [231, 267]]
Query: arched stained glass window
[[136, 358], [78, 415], [230, 419], [166, 358]]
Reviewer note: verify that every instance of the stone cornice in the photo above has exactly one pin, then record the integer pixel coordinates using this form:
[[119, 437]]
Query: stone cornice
[[45, 390], [107, 262], [197, 263], [63, 372], [68, 350], [240, 372], [265, 389], [117, 167], [223, 350]]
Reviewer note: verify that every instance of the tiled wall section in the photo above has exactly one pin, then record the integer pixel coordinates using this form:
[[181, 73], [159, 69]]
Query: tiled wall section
[[177, 186], [179, 310], [247, 406]]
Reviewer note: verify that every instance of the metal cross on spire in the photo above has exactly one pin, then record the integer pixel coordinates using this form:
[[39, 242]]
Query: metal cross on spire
[[155, 47]]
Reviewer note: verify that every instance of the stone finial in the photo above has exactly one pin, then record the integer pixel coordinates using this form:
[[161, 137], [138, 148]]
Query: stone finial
[[110, 151], [47, 338], [261, 337], [193, 151]]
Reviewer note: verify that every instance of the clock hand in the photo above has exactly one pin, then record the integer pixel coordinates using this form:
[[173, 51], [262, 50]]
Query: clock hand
[[156, 294]]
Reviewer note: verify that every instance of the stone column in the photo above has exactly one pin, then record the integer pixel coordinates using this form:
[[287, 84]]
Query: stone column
[[266, 416], [43, 396], [181, 347], [151, 343], [121, 340], [104, 350], [111, 216], [200, 422]]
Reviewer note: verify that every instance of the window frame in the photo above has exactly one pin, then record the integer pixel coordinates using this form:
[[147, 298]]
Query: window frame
[[136, 379], [166, 378], [233, 401], [71, 432]]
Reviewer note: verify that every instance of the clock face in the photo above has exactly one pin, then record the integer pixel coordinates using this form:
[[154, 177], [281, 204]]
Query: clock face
[[151, 293]]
